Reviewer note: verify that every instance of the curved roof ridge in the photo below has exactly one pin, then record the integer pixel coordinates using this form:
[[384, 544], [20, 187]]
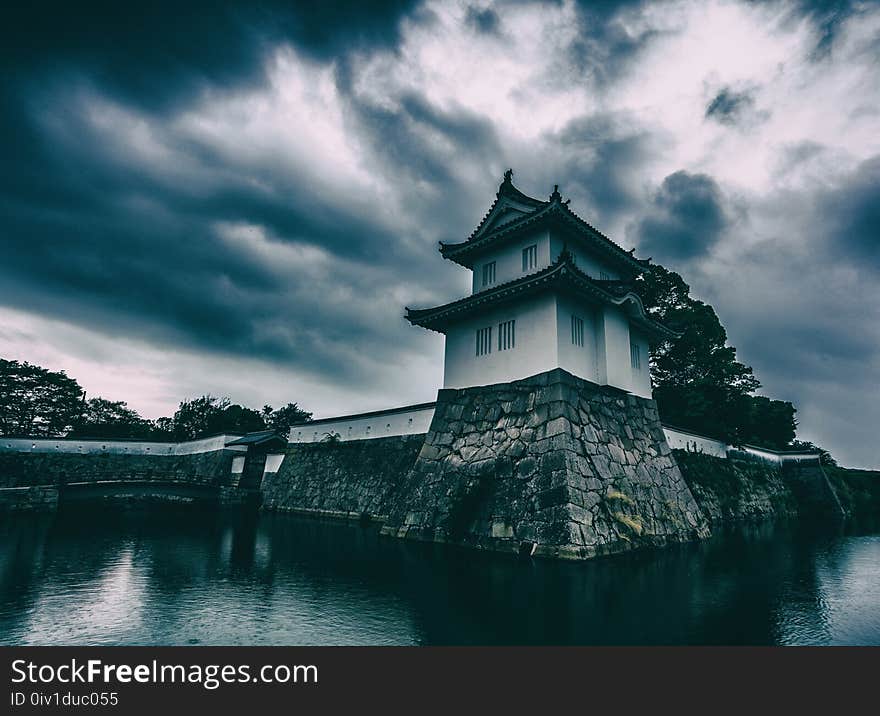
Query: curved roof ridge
[[505, 189], [542, 208]]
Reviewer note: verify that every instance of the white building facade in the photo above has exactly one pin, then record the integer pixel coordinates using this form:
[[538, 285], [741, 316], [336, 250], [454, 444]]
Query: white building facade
[[548, 291]]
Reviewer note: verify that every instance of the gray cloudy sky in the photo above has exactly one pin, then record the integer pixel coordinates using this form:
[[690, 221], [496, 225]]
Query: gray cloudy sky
[[240, 199]]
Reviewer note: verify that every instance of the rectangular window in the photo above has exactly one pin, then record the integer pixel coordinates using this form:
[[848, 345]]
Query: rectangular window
[[530, 257], [635, 356], [484, 341], [604, 276], [577, 331], [506, 335], [489, 273]]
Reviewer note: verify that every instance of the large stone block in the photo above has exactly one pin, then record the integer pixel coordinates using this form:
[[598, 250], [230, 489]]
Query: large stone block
[[577, 471]]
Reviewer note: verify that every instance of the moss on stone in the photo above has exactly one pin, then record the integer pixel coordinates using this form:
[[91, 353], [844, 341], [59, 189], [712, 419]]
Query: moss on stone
[[732, 491]]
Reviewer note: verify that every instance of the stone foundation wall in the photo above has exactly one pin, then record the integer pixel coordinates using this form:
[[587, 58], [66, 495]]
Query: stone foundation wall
[[730, 491], [355, 479], [550, 465]]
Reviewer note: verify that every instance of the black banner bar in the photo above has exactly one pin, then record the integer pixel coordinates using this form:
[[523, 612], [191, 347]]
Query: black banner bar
[[502, 680]]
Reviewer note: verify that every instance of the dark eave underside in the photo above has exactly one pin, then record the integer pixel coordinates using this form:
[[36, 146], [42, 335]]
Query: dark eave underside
[[562, 276]]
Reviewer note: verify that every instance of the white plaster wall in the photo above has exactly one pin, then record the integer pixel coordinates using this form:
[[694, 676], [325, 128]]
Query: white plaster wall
[[612, 348], [237, 465], [403, 421], [586, 261], [581, 361], [508, 260], [119, 447], [761, 454], [641, 379], [535, 351], [682, 440]]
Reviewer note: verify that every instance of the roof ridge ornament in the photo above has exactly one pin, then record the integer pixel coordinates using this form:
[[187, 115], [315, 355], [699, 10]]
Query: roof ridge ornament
[[556, 196]]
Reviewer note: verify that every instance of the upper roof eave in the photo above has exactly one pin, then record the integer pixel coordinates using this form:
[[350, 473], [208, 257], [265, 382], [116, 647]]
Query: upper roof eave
[[464, 253], [563, 270]]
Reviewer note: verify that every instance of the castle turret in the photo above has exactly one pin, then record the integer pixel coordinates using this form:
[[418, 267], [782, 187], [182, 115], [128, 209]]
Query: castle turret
[[548, 291]]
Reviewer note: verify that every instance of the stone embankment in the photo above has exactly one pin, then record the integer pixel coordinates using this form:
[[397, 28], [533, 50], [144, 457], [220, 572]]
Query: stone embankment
[[359, 479], [550, 465]]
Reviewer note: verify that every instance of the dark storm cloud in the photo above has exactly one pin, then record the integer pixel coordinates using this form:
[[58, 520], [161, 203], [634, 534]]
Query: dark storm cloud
[[412, 126], [803, 306], [602, 159], [154, 54], [94, 236], [415, 142], [728, 106], [483, 20], [852, 213], [606, 45], [91, 237], [827, 17], [686, 218]]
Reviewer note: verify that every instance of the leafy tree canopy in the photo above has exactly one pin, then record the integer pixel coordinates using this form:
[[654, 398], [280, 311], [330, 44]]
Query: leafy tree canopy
[[698, 382], [280, 420], [36, 401], [103, 418]]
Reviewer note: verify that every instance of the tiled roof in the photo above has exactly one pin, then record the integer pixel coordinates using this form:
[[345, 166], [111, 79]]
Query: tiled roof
[[554, 210], [256, 438], [563, 274]]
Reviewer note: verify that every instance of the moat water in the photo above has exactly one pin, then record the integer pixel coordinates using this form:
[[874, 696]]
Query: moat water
[[178, 576]]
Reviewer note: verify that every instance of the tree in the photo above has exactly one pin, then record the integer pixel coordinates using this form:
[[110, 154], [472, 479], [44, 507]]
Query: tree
[[163, 428], [767, 422], [36, 401], [111, 419], [194, 418], [280, 420], [236, 419], [698, 382], [209, 415]]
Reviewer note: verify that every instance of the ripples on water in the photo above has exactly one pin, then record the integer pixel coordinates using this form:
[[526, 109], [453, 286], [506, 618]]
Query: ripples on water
[[175, 576]]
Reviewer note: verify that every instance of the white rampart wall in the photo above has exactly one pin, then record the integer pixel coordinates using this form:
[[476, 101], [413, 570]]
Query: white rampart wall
[[682, 440], [773, 456], [118, 447], [408, 420], [417, 421], [273, 462]]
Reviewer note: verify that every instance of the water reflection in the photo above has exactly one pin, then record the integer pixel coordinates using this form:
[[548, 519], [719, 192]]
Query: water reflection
[[172, 576]]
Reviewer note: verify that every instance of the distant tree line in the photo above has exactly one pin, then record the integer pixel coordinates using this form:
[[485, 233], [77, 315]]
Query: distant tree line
[[699, 384], [36, 402]]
